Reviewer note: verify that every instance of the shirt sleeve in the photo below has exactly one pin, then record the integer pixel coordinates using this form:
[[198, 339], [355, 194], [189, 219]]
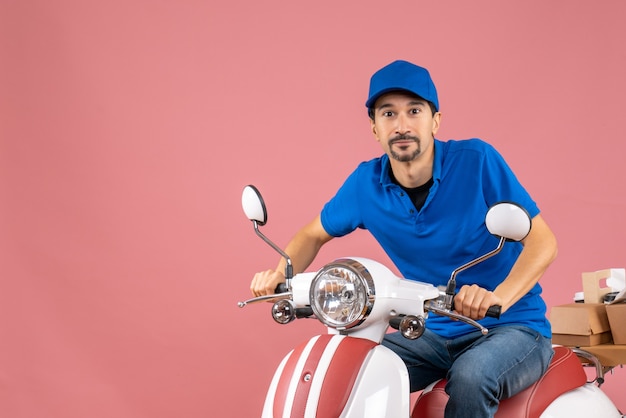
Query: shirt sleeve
[[341, 214], [501, 184]]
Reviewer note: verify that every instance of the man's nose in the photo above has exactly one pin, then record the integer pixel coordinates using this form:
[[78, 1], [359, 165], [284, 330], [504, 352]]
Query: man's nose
[[402, 124]]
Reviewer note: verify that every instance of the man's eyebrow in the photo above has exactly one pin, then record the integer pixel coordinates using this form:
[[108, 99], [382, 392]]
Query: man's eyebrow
[[384, 106], [416, 102]]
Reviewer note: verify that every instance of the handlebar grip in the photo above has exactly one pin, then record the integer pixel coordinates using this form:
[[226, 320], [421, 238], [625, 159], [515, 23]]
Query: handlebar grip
[[494, 311], [305, 312], [281, 288], [394, 322]]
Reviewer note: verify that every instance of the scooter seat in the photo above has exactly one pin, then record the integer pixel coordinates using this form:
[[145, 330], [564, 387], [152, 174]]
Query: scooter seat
[[564, 373]]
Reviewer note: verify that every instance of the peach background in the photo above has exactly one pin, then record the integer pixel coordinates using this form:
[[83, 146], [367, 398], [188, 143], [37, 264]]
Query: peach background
[[128, 129]]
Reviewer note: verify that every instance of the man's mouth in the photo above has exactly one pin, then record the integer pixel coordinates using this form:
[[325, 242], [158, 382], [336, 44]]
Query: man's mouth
[[403, 141]]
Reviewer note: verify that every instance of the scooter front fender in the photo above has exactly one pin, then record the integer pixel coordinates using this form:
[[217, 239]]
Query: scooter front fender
[[339, 376]]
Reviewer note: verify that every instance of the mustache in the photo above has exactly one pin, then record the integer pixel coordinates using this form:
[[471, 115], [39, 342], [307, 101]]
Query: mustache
[[403, 137]]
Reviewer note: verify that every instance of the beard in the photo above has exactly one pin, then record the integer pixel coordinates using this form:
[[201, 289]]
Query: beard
[[404, 157]]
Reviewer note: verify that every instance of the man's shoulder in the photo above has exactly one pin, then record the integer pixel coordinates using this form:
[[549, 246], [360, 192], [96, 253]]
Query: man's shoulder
[[374, 165], [373, 162], [460, 148], [466, 144]]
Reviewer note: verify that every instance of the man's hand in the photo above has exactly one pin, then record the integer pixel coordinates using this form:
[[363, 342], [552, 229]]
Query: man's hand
[[473, 301], [265, 282]]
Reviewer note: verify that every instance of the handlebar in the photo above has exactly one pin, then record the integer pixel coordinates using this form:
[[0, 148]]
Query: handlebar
[[493, 312], [281, 290], [394, 322], [438, 307]]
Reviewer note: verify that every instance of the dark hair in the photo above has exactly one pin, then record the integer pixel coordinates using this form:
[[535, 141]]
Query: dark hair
[[433, 109]]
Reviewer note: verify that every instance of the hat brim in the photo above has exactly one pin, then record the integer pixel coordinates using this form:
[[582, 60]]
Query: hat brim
[[372, 100]]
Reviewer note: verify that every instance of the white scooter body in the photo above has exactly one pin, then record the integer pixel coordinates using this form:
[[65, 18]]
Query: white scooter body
[[381, 387], [371, 395], [585, 401]]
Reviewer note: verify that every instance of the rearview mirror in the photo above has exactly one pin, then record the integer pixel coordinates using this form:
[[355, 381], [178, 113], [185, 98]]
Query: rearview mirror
[[253, 205], [508, 220]]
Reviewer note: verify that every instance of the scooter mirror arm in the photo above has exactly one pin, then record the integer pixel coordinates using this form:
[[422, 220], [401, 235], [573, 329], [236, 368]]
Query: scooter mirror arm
[[288, 266], [451, 286]]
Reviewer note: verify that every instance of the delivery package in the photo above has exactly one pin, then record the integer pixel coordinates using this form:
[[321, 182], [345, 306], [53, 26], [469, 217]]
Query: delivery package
[[580, 324], [598, 284], [616, 312], [608, 286]]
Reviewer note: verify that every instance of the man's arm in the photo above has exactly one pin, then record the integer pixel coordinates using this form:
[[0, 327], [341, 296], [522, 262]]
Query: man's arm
[[302, 250], [540, 249]]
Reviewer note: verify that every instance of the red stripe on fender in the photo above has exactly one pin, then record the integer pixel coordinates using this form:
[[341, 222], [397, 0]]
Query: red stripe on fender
[[341, 375], [310, 368], [303, 388]]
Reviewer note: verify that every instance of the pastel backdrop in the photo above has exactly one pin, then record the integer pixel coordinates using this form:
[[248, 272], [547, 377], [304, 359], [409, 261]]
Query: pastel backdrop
[[129, 128]]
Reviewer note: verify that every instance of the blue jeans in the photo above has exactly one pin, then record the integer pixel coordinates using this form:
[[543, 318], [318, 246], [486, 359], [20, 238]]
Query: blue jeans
[[481, 369]]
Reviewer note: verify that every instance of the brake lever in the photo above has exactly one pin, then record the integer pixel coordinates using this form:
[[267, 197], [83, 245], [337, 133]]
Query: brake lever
[[432, 306], [285, 295]]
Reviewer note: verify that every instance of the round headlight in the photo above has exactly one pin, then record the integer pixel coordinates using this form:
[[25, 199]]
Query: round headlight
[[342, 294]]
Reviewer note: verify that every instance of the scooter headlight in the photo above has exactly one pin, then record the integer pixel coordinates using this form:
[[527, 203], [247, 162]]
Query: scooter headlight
[[342, 294]]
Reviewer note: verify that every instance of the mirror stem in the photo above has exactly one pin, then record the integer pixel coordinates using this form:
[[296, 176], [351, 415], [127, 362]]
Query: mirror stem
[[289, 266], [451, 286]]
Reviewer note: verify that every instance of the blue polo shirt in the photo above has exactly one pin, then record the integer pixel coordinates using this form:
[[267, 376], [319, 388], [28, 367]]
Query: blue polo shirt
[[427, 245]]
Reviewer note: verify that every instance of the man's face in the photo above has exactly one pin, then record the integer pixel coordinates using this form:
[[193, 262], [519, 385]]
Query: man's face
[[404, 125]]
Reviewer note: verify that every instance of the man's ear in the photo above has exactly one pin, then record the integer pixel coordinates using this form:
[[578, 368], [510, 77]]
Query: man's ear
[[436, 122], [373, 127]]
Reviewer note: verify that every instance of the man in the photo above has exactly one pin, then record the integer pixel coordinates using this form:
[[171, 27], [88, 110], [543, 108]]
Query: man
[[425, 201]]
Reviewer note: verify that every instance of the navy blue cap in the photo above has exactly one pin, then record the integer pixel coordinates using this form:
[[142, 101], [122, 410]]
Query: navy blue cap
[[402, 76]]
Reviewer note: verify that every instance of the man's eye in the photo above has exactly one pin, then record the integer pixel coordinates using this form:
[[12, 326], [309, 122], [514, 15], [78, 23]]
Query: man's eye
[[387, 113], [415, 111]]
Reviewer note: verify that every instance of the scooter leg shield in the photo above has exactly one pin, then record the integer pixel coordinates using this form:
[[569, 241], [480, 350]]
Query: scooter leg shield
[[338, 376]]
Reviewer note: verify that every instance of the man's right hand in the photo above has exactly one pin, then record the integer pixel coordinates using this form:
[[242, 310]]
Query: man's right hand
[[265, 282]]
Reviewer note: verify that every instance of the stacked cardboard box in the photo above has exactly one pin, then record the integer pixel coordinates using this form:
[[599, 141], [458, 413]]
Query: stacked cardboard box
[[617, 320], [580, 324], [592, 322]]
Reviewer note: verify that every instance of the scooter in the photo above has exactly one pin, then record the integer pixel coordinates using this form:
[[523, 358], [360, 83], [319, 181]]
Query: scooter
[[348, 373]]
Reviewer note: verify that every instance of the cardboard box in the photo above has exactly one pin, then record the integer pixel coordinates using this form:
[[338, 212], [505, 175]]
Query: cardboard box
[[616, 314], [582, 340], [592, 285], [580, 324]]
